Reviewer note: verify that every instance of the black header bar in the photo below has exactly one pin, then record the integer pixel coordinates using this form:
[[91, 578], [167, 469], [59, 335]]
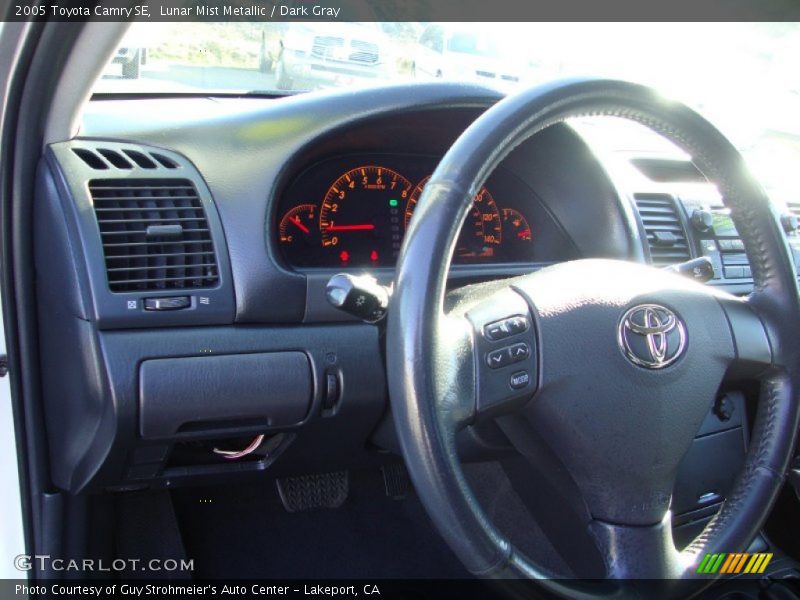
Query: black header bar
[[400, 10]]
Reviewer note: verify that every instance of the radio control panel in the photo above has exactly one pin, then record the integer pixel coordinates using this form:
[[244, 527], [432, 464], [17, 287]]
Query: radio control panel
[[716, 237]]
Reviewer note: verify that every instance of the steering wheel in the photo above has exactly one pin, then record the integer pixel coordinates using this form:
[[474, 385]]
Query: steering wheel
[[610, 365]]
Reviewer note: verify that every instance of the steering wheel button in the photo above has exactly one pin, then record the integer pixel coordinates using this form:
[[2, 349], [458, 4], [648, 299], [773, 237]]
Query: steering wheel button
[[497, 330], [519, 352], [517, 325], [498, 358], [519, 380]]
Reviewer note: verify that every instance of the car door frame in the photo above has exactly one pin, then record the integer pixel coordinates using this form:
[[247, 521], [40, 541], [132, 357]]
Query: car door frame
[[33, 57]]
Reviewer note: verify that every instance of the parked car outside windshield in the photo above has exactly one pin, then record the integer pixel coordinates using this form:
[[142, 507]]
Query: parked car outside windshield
[[466, 54], [723, 70]]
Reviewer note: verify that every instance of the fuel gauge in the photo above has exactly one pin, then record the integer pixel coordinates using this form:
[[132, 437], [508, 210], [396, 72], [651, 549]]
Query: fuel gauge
[[515, 226]]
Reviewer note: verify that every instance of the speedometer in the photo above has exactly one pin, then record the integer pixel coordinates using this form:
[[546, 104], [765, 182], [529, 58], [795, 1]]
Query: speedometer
[[360, 217], [482, 231]]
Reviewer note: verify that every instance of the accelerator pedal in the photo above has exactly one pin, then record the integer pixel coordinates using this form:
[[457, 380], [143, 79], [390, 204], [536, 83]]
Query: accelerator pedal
[[310, 492], [396, 481]]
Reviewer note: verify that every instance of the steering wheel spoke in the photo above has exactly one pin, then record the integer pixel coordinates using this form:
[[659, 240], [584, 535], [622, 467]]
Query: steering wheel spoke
[[753, 351], [504, 349], [638, 552], [455, 383]]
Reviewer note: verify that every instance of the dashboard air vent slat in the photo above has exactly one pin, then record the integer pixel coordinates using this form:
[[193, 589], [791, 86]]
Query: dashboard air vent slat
[[133, 216], [165, 162], [666, 236], [124, 159], [90, 158], [115, 158], [141, 159]]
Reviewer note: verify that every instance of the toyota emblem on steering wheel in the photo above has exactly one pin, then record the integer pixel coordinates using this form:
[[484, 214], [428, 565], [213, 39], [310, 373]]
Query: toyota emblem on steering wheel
[[651, 336]]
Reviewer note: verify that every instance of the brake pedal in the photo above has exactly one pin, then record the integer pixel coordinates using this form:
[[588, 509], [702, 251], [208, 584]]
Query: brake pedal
[[395, 481], [309, 492]]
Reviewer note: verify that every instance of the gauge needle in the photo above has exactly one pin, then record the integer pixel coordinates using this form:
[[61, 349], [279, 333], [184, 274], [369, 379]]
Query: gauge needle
[[299, 223], [361, 227]]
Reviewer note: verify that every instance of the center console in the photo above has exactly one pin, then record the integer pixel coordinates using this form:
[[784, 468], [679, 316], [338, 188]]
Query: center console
[[715, 236]]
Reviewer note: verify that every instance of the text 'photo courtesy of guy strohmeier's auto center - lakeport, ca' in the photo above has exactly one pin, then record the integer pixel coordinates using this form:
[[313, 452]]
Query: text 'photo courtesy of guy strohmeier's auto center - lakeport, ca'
[[401, 299]]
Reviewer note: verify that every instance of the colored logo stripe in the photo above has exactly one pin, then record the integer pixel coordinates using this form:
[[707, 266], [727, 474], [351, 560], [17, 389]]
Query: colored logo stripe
[[733, 563]]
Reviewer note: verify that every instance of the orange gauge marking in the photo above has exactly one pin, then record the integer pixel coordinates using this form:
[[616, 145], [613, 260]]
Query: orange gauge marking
[[516, 225], [350, 207], [297, 223], [482, 231]]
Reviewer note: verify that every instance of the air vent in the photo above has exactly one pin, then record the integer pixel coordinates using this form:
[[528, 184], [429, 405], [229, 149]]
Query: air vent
[[90, 158], [123, 159], [115, 158], [794, 207], [666, 237], [165, 162], [141, 159], [155, 235]]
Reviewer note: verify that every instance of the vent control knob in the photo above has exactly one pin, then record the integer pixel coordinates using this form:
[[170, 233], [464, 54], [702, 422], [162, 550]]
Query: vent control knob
[[789, 222], [167, 303], [702, 220]]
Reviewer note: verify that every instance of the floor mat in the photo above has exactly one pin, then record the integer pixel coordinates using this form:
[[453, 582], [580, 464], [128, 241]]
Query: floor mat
[[243, 531]]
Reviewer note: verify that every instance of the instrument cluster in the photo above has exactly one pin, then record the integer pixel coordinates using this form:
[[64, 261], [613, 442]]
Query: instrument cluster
[[353, 211]]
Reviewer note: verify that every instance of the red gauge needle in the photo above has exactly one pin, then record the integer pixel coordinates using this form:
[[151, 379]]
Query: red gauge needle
[[524, 234], [299, 223], [360, 227]]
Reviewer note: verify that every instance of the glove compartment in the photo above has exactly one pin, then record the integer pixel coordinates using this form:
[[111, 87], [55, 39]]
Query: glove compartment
[[205, 393]]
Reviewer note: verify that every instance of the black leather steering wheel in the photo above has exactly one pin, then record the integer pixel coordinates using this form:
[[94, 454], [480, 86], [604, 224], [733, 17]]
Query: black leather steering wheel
[[618, 427]]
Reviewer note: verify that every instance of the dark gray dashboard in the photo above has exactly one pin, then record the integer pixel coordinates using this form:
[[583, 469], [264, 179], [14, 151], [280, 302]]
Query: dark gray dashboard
[[249, 151], [158, 257]]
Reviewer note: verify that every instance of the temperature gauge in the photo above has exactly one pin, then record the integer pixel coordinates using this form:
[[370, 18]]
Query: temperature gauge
[[299, 226]]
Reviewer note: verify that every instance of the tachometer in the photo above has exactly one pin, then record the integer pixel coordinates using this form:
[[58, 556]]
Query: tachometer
[[482, 231], [360, 216]]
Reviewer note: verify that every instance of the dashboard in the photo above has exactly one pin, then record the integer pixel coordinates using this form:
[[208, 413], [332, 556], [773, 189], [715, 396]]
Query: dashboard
[[353, 211], [185, 245]]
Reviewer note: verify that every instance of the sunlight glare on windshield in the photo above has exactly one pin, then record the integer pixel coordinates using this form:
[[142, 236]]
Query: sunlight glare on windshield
[[742, 76]]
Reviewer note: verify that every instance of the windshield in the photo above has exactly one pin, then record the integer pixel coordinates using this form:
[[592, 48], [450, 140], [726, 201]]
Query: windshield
[[741, 76], [473, 43]]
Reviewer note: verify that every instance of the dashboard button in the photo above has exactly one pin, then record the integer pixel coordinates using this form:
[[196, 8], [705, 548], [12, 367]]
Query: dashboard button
[[498, 358], [734, 272], [519, 380], [726, 245], [736, 258]]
